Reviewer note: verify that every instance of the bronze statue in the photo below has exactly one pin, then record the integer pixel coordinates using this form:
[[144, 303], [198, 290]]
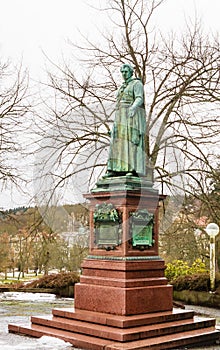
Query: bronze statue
[[127, 147]]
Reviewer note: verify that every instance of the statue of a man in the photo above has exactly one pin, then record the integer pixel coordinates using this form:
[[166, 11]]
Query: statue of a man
[[127, 147]]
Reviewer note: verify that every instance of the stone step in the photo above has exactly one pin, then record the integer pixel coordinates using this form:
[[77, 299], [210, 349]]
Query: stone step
[[177, 341], [124, 321], [180, 340], [77, 340], [123, 335]]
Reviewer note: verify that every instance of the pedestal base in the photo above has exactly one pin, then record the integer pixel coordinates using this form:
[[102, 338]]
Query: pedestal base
[[123, 301], [123, 287], [99, 331]]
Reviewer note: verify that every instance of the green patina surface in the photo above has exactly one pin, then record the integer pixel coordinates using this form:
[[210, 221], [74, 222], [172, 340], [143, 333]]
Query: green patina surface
[[142, 228], [123, 258], [127, 146]]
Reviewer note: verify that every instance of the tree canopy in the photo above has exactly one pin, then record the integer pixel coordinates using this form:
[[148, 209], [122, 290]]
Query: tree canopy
[[181, 77]]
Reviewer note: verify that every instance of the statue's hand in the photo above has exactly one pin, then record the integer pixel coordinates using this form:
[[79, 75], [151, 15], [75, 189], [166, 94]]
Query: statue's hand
[[131, 112]]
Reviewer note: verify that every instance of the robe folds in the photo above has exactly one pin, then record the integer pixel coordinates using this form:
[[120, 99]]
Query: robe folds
[[127, 147]]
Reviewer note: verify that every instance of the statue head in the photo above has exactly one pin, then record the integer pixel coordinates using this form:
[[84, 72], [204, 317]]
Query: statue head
[[126, 71]]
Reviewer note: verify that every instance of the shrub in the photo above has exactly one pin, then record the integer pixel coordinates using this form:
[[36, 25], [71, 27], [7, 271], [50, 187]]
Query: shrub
[[198, 282], [59, 280], [179, 268], [175, 269], [198, 267], [185, 277]]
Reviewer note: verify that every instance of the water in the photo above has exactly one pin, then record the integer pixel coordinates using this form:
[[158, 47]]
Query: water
[[18, 307]]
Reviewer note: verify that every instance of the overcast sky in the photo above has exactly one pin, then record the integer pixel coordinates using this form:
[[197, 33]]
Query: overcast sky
[[29, 26]]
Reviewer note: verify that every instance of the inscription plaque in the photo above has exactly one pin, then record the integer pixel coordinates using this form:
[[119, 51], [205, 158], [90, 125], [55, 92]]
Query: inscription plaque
[[142, 229], [107, 225], [107, 234]]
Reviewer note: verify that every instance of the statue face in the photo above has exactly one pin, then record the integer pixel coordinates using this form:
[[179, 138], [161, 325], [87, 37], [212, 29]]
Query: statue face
[[126, 72]]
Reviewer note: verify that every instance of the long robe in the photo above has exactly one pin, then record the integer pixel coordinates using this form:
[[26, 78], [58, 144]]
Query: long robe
[[127, 147]]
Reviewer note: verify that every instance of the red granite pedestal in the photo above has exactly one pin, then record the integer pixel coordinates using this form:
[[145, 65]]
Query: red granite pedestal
[[123, 300], [123, 287]]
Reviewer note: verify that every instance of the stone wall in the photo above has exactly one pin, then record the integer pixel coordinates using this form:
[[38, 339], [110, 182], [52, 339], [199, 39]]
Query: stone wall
[[198, 298]]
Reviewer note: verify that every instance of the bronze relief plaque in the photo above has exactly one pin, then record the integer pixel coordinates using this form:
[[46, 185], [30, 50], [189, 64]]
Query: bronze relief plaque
[[141, 226], [107, 226]]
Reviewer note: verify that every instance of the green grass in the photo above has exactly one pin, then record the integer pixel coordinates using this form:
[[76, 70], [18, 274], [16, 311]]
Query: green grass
[[14, 280]]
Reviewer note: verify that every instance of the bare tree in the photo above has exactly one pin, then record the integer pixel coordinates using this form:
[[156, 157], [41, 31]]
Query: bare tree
[[13, 108], [182, 81]]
